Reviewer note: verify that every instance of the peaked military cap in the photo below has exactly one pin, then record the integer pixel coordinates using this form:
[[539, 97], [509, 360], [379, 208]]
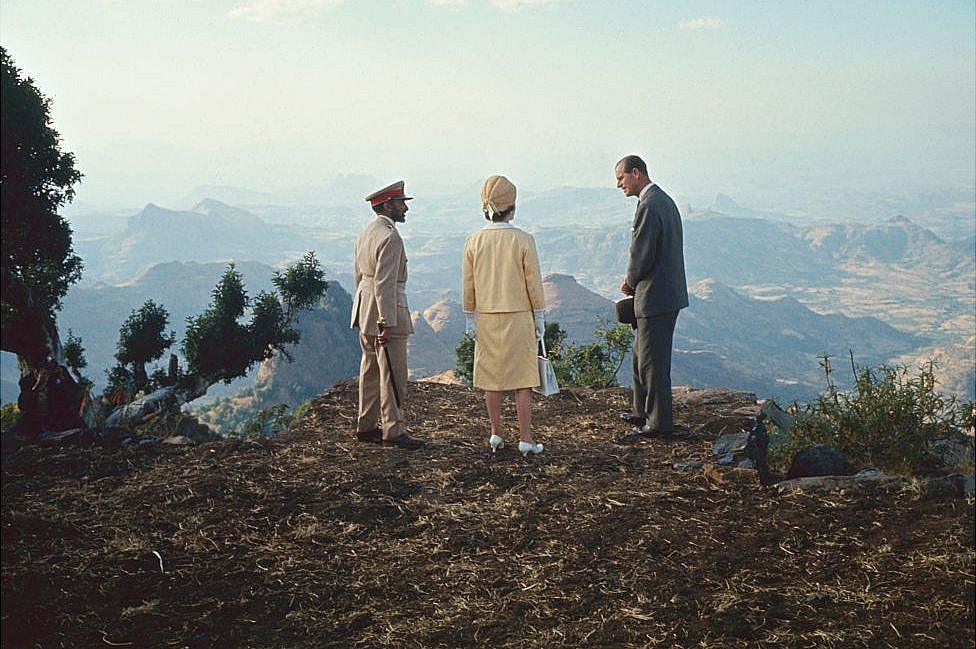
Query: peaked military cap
[[388, 193]]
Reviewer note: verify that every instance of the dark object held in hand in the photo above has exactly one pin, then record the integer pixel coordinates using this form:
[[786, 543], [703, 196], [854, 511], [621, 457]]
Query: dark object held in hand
[[625, 311]]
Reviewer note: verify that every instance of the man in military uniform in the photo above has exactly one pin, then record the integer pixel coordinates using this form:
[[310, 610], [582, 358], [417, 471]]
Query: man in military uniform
[[380, 312]]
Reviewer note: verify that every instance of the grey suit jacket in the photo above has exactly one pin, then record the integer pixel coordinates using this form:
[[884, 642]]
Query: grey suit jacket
[[657, 263]]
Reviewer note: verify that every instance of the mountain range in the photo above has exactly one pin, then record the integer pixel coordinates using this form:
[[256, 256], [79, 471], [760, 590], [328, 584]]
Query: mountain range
[[792, 285]]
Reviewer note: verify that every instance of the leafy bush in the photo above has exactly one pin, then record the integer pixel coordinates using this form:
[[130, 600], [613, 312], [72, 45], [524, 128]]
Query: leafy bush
[[170, 424], [267, 422], [593, 365], [9, 416], [464, 359], [891, 420]]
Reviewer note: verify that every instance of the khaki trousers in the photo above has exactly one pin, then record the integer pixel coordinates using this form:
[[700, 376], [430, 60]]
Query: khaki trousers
[[377, 402]]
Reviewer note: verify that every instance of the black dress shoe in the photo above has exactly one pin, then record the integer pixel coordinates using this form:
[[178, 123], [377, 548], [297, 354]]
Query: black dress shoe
[[632, 419], [644, 431], [405, 441], [374, 436]]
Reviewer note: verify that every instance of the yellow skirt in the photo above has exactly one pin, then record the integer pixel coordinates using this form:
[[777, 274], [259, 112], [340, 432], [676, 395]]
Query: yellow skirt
[[505, 352]]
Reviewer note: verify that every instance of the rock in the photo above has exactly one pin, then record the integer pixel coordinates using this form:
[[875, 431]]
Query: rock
[[732, 443], [713, 397], [687, 465], [194, 430], [958, 454], [726, 459], [71, 437], [818, 460], [953, 485], [178, 440], [746, 464], [835, 482], [753, 411], [110, 436], [781, 419]]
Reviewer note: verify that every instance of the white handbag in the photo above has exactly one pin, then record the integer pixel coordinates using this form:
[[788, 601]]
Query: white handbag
[[547, 376]]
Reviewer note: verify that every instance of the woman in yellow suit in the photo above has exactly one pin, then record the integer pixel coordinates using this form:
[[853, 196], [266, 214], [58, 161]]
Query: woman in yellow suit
[[503, 307]]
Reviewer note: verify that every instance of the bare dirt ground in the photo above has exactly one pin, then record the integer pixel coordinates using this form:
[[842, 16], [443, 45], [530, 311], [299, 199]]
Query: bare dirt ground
[[314, 540]]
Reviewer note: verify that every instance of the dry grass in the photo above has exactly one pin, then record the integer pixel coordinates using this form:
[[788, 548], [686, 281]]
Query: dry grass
[[314, 540]]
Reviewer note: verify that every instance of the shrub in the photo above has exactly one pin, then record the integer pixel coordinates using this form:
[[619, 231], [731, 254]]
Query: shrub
[[890, 420], [596, 364], [266, 423], [9, 416], [593, 365]]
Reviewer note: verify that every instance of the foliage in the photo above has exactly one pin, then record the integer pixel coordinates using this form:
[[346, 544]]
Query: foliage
[[267, 422], [9, 416], [74, 354], [892, 419], [220, 348], [142, 339], [595, 365], [464, 359], [37, 263], [301, 409], [120, 386], [241, 416], [301, 285], [171, 424], [592, 365]]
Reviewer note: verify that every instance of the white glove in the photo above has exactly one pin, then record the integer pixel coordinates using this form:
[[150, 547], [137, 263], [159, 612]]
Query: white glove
[[470, 323], [540, 324]]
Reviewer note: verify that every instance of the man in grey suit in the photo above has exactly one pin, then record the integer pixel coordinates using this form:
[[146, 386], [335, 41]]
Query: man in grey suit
[[656, 280]]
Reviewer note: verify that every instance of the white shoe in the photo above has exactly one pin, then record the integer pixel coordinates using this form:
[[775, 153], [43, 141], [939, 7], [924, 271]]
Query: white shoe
[[496, 443], [530, 447]]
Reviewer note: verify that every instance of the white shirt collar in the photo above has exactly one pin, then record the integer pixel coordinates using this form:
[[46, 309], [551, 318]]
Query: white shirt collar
[[499, 226], [644, 191]]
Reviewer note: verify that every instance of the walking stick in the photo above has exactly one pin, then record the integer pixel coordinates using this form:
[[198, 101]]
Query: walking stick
[[381, 325]]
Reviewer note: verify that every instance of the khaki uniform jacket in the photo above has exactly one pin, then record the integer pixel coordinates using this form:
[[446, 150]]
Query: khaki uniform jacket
[[380, 273], [500, 272]]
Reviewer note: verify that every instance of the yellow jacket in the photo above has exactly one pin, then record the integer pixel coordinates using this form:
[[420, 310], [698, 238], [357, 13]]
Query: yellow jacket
[[500, 272]]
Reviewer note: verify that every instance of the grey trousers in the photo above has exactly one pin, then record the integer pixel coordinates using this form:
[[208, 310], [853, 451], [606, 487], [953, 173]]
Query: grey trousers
[[652, 370]]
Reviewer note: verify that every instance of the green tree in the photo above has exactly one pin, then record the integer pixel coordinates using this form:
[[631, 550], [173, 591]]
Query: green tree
[[143, 339], [74, 356], [219, 347], [37, 263]]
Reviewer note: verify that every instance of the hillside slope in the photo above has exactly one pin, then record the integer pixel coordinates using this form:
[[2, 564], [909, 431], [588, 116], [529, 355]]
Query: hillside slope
[[313, 540]]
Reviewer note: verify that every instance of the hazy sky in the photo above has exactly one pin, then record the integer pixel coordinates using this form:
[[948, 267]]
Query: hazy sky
[[158, 96]]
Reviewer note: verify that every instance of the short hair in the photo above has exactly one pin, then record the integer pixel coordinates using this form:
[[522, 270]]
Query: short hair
[[498, 217], [632, 162]]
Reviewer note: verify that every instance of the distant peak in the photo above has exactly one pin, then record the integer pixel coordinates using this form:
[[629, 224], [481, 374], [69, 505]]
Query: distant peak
[[900, 219], [724, 201], [710, 288], [559, 278], [209, 204]]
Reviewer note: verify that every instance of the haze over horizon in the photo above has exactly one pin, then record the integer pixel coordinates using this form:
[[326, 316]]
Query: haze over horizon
[[759, 101]]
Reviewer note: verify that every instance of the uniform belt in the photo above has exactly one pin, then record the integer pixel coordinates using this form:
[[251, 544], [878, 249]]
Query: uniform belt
[[369, 278]]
